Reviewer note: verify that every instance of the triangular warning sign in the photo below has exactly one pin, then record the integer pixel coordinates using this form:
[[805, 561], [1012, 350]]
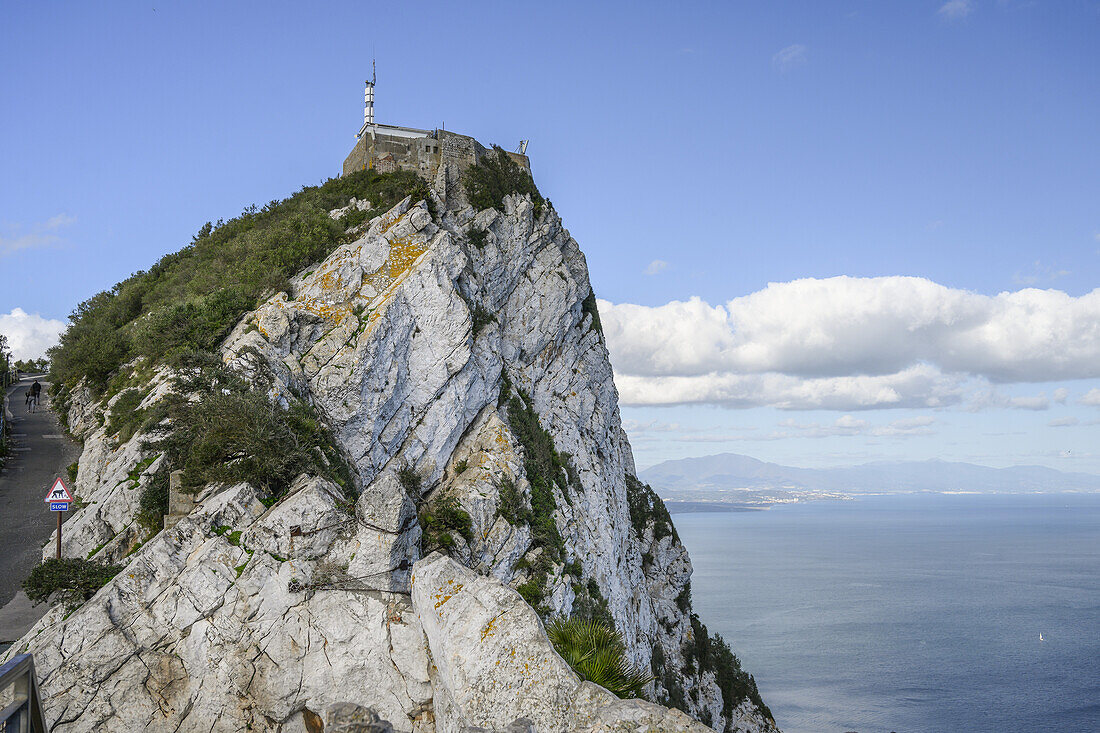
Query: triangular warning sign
[[59, 492]]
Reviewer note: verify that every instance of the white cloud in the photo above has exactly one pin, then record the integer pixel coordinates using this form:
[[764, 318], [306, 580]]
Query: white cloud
[[909, 426], [29, 335], [1092, 398], [1063, 422], [656, 267], [790, 57], [920, 386], [848, 425], [40, 235], [981, 399], [662, 432], [59, 220], [1060, 395], [652, 426], [851, 343], [1038, 402], [956, 9], [654, 431]]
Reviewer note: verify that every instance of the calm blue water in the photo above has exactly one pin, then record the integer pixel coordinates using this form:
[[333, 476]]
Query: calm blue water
[[910, 614]]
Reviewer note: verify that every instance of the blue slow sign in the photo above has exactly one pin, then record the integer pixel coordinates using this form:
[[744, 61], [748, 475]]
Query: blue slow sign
[[59, 506]]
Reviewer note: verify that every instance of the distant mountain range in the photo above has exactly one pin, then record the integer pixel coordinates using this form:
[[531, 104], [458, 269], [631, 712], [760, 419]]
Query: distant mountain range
[[690, 478]]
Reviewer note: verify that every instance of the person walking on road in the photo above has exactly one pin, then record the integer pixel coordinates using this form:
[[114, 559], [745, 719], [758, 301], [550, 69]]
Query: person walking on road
[[33, 395]]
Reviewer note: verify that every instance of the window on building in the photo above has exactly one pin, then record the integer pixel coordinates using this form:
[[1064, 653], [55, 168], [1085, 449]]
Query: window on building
[[427, 148], [435, 149]]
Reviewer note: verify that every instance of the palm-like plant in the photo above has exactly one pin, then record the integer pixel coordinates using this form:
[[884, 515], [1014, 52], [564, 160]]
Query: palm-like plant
[[597, 653]]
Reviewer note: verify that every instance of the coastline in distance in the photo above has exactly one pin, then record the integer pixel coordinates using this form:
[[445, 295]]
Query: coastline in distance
[[738, 480]]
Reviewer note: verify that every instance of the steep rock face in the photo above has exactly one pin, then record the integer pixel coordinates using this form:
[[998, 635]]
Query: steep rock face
[[381, 338], [421, 344], [405, 340]]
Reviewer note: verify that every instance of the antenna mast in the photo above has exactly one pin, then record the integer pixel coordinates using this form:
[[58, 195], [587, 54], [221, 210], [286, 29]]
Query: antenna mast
[[368, 98]]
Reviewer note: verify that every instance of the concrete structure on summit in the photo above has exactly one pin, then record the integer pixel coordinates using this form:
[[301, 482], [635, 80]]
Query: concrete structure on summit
[[389, 148]]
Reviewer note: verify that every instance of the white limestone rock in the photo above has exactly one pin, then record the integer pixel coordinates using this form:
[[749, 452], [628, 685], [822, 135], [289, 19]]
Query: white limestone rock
[[493, 659], [209, 625], [259, 617], [353, 205]]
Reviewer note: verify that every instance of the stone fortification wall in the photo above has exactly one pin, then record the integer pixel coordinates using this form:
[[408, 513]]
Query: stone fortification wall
[[387, 149]]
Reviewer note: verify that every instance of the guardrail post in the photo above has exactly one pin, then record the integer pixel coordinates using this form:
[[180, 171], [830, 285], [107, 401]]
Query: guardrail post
[[22, 712]]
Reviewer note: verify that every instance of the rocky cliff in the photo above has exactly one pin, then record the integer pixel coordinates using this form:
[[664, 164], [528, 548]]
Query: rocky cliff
[[457, 358]]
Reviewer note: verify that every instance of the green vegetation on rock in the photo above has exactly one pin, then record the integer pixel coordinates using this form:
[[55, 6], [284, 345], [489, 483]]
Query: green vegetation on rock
[[647, 509], [126, 415], [234, 433], [481, 318], [495, 176], [74, 580], [706, 653], [189, 300], [589, 603], [411, 482], [441, 519], [668, 679], [545, 469], [477, 237], [588, 307], [153, 502], [511, 504], [683, 600], [596, 652]]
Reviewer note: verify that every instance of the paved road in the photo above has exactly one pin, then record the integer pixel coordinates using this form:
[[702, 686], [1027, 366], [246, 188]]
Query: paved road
[[40, 453]]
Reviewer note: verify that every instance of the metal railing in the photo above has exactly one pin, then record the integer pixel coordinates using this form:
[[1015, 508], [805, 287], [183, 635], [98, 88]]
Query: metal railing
[[20, 705]]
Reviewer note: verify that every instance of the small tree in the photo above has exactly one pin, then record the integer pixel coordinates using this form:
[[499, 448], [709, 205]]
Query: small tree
[[74, 580]]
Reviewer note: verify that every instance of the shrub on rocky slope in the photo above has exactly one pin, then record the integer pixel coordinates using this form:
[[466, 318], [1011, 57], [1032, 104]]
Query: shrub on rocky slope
[[190, 299]]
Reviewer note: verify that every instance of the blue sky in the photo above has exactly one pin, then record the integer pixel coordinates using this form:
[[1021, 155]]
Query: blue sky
[[695, 150]]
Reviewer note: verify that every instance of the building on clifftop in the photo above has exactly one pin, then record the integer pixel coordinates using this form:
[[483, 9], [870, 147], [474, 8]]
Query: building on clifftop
[[388, 148]]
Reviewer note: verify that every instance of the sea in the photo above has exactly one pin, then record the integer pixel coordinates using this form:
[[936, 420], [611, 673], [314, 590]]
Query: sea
[[911, 613]]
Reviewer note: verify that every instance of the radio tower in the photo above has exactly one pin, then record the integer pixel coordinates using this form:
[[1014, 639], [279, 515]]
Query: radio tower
[[368, 99]]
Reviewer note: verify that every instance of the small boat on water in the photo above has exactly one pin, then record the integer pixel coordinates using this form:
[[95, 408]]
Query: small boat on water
[[1041, 636]]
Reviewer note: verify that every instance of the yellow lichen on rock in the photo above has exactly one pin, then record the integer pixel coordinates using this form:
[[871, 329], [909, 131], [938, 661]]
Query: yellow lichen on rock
[[488, 630]]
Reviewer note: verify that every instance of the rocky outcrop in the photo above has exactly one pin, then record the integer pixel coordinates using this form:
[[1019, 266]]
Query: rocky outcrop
[[229, 621], [495, 665], [457, 358]]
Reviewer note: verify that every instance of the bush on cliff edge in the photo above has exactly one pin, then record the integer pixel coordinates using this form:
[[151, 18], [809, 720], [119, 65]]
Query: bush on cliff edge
[[74, 580], [234, 433], [495, 176]]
